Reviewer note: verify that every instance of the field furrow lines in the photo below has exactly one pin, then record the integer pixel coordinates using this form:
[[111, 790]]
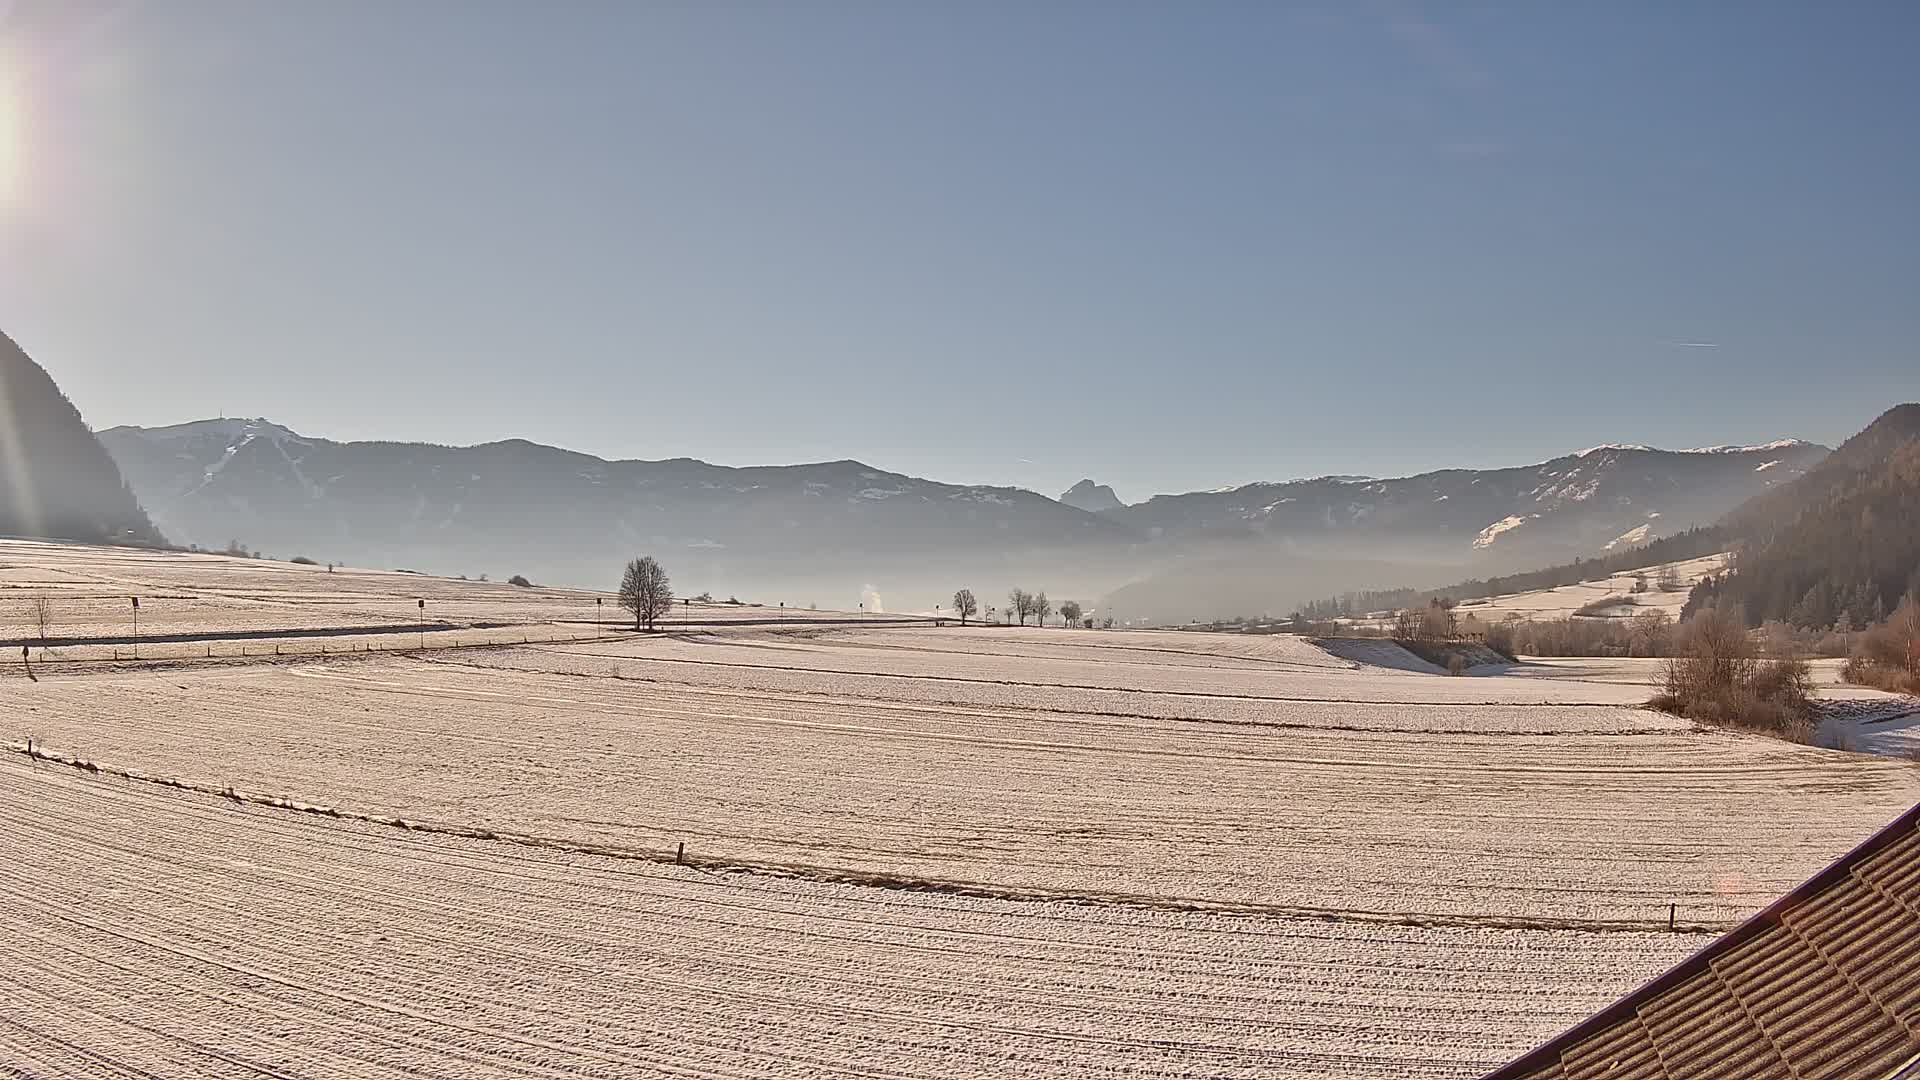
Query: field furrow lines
[[909, 851]]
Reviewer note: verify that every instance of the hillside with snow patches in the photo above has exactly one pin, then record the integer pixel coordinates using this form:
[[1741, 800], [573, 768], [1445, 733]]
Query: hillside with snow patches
[[1586, 499], [1267, 547]]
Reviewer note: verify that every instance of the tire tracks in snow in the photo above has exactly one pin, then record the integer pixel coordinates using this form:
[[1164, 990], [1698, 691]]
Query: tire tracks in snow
[[872, 879]]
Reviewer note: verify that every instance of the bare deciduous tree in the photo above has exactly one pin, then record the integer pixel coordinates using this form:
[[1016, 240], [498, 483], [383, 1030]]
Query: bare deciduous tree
[[1070, 611], [645, 591], [1042, 607], [1669, 580], [1020, 604], [1647, 633], [964, 605], [41, 613]]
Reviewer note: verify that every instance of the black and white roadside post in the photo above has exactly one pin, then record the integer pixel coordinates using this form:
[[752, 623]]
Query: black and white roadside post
[[686, 612], [136, 626], [599, 616], [783, 611], [423, 623]]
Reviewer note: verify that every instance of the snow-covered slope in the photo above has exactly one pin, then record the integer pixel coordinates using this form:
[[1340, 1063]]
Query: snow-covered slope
[[1564, 601]]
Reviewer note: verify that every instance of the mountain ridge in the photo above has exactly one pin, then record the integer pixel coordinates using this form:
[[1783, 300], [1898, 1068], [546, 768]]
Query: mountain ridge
[[517, 506], [563, 515]]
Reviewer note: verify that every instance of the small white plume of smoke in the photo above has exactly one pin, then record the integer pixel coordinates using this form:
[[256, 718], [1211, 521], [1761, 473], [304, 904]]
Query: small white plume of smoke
[[870, 598]]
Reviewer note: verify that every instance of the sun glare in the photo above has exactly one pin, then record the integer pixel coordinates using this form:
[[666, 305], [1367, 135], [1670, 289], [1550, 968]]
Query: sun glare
[[12, 144]]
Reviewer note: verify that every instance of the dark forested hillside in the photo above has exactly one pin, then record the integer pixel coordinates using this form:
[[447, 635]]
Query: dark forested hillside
[[1838, 546], [55, 478]]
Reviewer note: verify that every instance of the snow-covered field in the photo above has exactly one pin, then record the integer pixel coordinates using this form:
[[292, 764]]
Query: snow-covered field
[[153, 932], [915, 851], [228, 606]]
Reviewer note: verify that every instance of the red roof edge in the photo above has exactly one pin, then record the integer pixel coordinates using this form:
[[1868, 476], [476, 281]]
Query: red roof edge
[[1548, 1053]]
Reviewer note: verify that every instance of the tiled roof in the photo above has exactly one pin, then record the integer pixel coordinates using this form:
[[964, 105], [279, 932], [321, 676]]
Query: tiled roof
[[1825, 983]]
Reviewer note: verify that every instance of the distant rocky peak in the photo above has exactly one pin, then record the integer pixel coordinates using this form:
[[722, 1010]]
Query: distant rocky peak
[[1091, 497]]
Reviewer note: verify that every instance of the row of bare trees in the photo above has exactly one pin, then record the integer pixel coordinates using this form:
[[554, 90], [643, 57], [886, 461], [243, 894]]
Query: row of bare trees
[[1021, 605]]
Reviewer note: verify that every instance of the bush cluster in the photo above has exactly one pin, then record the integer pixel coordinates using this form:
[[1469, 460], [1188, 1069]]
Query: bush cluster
[[1716, 676], [1888, 656]]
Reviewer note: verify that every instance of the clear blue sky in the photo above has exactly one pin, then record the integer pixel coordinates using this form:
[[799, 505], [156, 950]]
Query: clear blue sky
[[1168, 246]]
